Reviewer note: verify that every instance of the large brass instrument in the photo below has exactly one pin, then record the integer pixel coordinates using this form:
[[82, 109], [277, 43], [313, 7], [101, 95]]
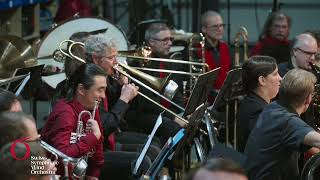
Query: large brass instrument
[[242, 33], [15, 53]]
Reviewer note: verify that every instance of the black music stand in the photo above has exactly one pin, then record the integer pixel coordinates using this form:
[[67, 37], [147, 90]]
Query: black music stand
[[34, 83], [231, 91], [200, 91], [166, 150], [191, 130], [7, 81]]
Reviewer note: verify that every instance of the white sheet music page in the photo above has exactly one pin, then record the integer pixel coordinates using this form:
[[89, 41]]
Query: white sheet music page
[[146, 146]]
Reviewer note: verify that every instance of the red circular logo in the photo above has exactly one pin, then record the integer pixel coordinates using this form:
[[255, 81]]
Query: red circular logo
[[13, 145]]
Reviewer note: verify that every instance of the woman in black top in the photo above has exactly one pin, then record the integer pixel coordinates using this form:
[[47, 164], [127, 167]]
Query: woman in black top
[[261, 82]]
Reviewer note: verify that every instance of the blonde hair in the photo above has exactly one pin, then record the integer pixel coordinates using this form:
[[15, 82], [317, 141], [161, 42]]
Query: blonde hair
[[296, 86]]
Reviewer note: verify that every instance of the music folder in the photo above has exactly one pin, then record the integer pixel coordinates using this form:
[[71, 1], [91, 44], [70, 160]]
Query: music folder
[[200, 91]]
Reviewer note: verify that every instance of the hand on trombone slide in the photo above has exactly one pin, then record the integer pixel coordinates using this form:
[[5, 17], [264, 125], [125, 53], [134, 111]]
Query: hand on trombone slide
[[128, 92]]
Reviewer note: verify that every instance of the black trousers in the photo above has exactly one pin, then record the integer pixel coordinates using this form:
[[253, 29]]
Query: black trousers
[[119, 164]]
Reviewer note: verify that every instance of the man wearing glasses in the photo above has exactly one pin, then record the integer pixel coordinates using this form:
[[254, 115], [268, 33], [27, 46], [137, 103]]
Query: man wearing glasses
[[216, 50], [303, 52], [143, 113]]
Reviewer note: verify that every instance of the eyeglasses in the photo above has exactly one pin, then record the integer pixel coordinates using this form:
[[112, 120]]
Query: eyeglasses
[[164, 40], [308, 53], [217, 26], [110, 58]]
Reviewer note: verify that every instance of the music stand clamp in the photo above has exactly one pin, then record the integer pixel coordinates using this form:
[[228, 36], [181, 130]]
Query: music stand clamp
[[231, 92]]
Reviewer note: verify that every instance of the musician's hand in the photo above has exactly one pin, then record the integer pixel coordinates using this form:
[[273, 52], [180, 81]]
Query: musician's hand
[[123, 80], [93, 126], [91, 178], [128, 92]]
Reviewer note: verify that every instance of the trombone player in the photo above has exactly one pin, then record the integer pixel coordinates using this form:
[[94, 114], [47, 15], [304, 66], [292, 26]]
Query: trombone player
[[103, 52], [158, 38]]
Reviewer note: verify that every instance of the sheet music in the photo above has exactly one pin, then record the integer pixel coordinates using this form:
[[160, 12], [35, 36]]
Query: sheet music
[[54, 80], [146, 146]]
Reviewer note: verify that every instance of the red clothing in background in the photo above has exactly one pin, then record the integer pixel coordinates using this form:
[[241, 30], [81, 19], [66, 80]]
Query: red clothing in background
[[225, 63], [268, 46], [68, 8], [57, 131]]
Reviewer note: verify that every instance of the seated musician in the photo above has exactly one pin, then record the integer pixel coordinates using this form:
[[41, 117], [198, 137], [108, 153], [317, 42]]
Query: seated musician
[[274, 39], [117, 163], [261, 82], [103, 52], [280, 135], [86, 85], [216, 50], [145, 112]]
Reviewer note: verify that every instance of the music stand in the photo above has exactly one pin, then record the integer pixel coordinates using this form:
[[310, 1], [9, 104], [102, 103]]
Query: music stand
[[7, 81], [166, 150], [33, 83], [231, 90], [191, 130], [200, 91]]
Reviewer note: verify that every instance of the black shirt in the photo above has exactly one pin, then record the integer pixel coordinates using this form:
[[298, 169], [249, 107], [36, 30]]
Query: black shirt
[[250, 108], [274, 144]]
